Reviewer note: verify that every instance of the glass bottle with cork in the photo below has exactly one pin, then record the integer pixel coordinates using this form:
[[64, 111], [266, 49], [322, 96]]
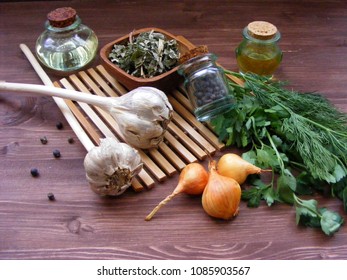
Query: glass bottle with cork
[[259, 52], [66, 45]]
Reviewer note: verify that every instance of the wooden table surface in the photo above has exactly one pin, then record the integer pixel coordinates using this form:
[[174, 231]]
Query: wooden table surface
[[81, 225]]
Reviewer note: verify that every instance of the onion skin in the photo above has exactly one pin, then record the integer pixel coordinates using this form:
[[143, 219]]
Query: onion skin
[[235, 167], [192, 180], [222, 195]]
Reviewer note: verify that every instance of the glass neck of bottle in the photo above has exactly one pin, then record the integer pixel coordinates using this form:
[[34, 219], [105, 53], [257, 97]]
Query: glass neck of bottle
[[70, 27], [196, 63]]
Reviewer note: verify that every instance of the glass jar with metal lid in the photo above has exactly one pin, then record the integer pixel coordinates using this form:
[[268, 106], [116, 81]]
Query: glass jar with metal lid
[[259, 52]]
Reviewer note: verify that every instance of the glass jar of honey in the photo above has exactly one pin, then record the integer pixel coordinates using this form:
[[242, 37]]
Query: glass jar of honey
[[259, 52]]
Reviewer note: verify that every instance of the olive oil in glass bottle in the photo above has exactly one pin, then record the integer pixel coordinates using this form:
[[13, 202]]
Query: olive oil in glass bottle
[[259, 52]]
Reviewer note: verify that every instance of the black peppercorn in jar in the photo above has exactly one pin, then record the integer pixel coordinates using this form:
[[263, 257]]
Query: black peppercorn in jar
[[206, 86]]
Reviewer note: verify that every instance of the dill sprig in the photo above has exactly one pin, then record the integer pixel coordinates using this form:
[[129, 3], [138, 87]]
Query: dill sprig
[[313, 128]]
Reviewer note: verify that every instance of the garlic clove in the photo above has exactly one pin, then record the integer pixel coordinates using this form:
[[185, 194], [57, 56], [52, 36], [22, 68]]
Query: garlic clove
[[111, 166]]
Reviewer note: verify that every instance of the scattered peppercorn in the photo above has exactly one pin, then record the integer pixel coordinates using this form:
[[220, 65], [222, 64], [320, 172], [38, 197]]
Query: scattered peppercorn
[[34, 172], [56, 153], [51, 196], [70, 140], [59, 125], [44, 140]]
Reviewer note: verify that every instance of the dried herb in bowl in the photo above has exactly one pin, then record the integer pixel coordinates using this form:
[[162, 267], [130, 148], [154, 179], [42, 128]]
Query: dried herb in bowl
[[148, 55]]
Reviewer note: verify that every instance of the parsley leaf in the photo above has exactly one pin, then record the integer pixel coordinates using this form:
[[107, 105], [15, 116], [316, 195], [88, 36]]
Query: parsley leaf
[[308, 214]]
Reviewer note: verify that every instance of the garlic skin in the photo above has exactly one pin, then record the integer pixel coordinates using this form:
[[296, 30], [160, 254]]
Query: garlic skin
[[143, 115], [111, 166]]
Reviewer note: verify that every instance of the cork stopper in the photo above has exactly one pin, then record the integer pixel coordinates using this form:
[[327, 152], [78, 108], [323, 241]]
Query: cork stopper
[[261, 30], [62, 17], [193, 53]]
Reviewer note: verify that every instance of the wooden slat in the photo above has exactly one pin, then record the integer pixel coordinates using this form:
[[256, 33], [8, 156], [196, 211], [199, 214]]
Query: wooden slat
[[162, 162], [172, 156], [81, 118], [193, 133], [183, 99], [89, 112], [183, 152], [190, 118], [109, 86], [189, 143], [115, 84]]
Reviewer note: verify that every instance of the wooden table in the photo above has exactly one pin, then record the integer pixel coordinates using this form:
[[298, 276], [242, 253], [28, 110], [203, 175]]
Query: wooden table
[[81, 225]]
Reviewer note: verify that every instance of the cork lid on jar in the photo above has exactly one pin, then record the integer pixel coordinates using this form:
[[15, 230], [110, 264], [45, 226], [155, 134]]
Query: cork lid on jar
[[62, 17], [261, 30]]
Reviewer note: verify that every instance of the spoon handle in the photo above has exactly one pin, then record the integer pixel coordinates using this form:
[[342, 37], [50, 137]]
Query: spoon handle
[[55, 92]]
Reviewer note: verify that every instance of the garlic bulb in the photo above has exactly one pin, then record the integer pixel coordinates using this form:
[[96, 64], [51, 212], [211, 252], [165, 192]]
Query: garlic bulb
[[143, 115], [111, 166]]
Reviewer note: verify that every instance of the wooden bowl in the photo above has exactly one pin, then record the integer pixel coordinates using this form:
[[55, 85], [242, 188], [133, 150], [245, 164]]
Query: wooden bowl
[[165, 81]]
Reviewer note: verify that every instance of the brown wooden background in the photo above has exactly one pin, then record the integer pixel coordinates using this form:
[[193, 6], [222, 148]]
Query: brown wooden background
[[80, 224]]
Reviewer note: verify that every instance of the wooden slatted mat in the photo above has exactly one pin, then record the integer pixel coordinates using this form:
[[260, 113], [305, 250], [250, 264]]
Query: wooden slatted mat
[[185, 141]]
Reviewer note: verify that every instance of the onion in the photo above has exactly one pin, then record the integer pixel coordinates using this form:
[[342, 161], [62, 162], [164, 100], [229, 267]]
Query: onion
[[222, 195], [192, 180], [235, 167]]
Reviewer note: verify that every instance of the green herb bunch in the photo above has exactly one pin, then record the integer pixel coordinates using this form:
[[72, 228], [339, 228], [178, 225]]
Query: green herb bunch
[[301, 136], [148, 55]]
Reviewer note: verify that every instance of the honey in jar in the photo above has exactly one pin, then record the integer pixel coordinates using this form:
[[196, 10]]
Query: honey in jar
[[259, 52]]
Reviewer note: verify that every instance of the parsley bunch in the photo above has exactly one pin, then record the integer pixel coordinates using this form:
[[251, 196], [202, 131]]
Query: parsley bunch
[[148, 55], [291, 132]]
